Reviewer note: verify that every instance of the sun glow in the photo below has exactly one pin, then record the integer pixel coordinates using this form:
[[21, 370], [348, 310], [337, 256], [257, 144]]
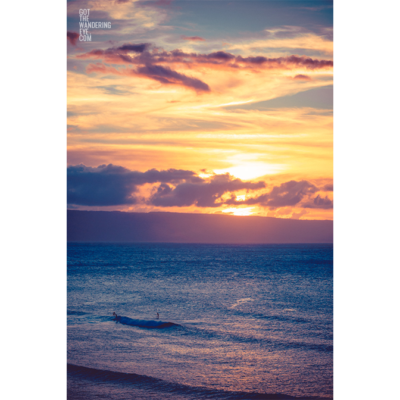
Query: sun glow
[[239, 211], [204, 175], [247, 171]]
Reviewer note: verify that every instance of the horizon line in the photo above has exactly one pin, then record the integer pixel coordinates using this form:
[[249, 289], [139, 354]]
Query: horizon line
[[193, 213]]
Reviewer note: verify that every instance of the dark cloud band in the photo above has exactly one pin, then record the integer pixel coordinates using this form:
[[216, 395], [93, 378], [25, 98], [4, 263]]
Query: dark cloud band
[[112, 185]]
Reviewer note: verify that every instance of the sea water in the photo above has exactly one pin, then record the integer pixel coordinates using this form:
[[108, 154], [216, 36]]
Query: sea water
[[235, 321]]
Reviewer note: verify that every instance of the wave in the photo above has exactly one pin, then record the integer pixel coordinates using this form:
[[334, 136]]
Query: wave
[[145, 324], [271, 343], [148, 382], [149, 324]]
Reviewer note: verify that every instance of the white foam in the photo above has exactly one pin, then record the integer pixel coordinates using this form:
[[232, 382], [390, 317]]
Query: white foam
[[241, 301]]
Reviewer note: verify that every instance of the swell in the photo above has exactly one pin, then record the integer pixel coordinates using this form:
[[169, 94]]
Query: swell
[[207, 334], [277, 318], [270, 343], [150, 383]]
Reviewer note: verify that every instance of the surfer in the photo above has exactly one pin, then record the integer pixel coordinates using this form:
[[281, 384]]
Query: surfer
[[116, 317], [158, 316]]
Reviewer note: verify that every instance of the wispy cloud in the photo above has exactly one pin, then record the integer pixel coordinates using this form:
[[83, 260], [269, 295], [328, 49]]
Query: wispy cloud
[[193, 38]]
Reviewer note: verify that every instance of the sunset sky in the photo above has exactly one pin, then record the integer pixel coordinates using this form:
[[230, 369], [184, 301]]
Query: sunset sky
[[202, 106]]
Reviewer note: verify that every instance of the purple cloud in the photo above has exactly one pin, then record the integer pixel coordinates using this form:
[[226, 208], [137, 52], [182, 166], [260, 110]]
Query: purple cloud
[[193, 38], [301, 77], [290, 193], [72, 37], [168, 76], [320, 202], [110, 185], [137, 48], [220, 55], [287, 194]]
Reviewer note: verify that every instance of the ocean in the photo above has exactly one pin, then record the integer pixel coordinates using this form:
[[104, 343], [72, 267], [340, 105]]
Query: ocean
[[235, 321]]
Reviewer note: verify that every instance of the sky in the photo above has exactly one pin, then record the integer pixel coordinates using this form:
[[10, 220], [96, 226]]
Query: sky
[[201, 106]]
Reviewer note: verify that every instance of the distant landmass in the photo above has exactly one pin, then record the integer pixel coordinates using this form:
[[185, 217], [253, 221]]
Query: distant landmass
[[164, 227]]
